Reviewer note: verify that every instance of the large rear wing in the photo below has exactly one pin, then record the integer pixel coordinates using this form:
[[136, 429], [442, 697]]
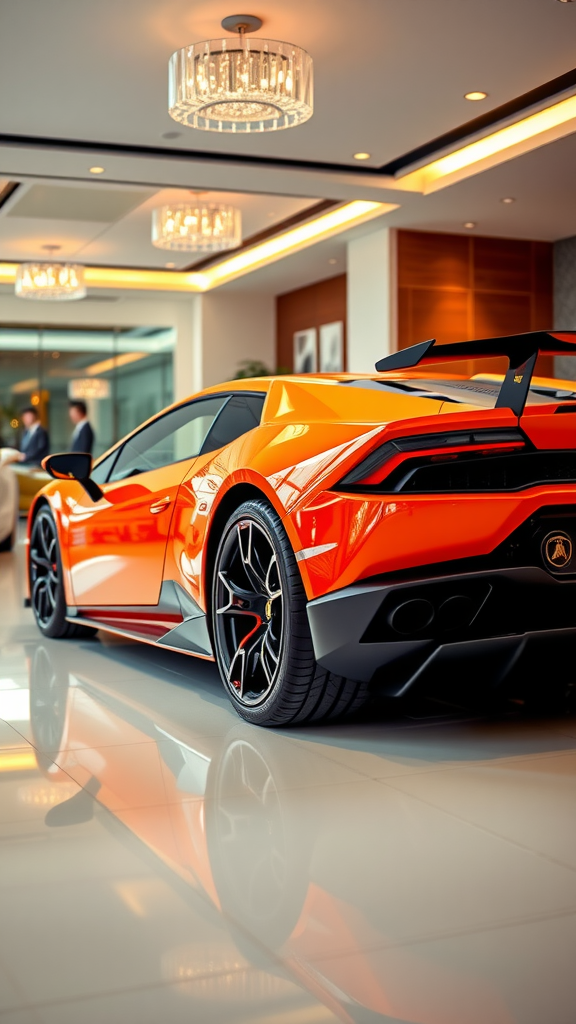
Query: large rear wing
[[521, 350]]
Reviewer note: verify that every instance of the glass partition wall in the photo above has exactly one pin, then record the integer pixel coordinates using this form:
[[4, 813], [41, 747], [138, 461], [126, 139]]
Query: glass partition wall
[[124, 376]]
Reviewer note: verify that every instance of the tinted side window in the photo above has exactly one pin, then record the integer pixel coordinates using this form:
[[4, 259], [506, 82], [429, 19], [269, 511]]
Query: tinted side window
[[240, 414], [174, 437], [100, 474]]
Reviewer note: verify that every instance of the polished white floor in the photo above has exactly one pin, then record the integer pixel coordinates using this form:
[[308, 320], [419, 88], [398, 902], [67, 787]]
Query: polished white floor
[[161, 862]]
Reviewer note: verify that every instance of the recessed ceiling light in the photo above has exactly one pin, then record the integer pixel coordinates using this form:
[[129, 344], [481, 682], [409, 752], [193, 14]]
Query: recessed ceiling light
[[96, 170], [566, 1], [51, 248], [470, 224], [362, 156], [475, 95], [170, 135], [332, 261], [508, 200], [169, 265]]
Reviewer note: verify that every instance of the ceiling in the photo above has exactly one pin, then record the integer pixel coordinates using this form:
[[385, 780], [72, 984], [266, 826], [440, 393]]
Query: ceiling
[[84, 83], [389, 74], [107, 225]]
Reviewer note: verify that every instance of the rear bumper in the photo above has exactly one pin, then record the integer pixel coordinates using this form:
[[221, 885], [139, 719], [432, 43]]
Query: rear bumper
[[364, 628]]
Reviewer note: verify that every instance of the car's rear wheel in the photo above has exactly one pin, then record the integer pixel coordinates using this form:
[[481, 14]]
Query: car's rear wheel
[[262, 638], [47, 596]]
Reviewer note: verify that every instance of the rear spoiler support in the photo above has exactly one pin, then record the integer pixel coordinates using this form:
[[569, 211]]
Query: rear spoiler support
[[521, 350]]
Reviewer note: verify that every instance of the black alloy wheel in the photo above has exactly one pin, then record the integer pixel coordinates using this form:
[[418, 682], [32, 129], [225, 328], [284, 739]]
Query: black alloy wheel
[[249, 612], [44, 570], [262, 639], [45, 575]]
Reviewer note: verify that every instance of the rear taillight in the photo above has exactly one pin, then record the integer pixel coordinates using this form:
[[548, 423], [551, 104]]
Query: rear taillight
[[394, 458]]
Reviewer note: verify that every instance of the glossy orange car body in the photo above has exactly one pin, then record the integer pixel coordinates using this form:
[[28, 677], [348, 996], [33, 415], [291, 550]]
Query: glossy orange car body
[[161, 527]]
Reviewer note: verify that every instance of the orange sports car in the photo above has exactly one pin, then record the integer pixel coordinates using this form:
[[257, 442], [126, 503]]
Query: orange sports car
[[323, 536]]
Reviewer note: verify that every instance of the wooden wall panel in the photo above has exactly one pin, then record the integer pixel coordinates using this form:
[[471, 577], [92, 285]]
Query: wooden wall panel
[[320, 303], [434, 313], [500, 313], [432, 260], [450, 287], [455, 287], [501, 265], [543, 286]]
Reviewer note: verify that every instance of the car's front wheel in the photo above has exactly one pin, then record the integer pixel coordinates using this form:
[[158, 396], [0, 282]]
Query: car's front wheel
[[45, 577], [262, 639]]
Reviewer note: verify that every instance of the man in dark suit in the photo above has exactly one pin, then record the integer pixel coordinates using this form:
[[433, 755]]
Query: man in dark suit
[[35, 444], [83, 435]]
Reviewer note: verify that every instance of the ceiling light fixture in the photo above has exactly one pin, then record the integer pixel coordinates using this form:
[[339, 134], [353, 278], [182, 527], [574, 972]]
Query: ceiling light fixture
[[470, 224], [523, 136], [474, 96], [198, 227], [507, 200], [55, 282], [326, 225], [242, 85], [96, 170], [362, 156], [88, 387]]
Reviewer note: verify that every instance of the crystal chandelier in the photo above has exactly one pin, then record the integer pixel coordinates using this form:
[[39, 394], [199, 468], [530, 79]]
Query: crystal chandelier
[[53, 281], [196, 227], [242, 85]]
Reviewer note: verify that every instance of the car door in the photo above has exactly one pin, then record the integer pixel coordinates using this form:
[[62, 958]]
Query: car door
[[118, 544], [200, 486]]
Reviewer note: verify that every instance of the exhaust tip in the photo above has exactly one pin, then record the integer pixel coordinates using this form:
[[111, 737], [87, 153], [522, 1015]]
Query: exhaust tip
[[411, 616], [456, 612]]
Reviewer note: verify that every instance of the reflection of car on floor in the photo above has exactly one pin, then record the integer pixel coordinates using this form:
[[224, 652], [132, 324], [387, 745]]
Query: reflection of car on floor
[[228, 814], [31, 479], [8, 498], [321, 535]]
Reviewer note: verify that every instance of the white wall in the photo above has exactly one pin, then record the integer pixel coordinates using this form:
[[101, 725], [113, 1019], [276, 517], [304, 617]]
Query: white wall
[[235, 326], [372, 299]]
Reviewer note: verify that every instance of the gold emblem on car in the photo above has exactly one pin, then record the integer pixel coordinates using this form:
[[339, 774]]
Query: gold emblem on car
[[269, 609], [557, 549]]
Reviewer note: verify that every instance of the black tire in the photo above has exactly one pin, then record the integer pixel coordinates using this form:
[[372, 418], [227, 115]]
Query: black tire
[[260, 625], [46, 587]]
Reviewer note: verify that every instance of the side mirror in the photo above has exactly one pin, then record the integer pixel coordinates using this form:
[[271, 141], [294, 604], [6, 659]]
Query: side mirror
[[73, 466]]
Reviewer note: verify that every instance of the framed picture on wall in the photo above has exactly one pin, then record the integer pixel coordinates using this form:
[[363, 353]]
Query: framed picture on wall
[[305, 351], [332, 347]]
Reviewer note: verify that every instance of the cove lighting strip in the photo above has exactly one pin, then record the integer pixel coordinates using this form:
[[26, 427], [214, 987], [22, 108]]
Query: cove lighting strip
[[295, 239], [285, 244], [527, 134]]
